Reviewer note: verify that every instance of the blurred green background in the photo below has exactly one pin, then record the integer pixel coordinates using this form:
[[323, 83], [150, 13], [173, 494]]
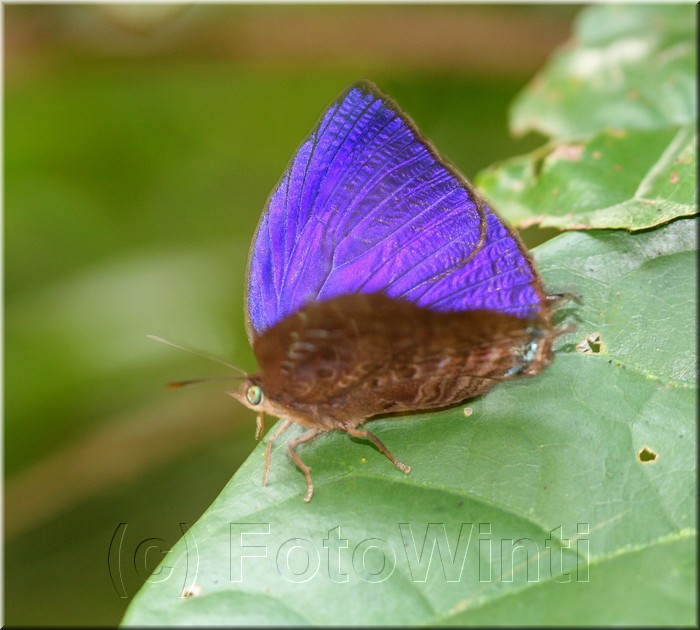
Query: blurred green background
[[141, 143]]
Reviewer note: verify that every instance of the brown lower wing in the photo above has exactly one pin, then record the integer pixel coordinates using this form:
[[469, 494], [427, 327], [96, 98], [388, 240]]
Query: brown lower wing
[[357, 356]]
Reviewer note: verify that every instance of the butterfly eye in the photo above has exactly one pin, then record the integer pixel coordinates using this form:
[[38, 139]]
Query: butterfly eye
[[254, 395]]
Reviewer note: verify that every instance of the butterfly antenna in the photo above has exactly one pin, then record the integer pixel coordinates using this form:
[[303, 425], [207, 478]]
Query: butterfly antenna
[[192, 381], [200, 354]]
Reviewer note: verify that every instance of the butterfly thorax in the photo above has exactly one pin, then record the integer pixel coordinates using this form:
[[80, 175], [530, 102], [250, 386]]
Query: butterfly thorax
[[344, 360]]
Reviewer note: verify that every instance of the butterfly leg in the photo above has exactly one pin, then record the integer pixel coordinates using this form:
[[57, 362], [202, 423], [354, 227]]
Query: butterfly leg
[[304, 437], [268, 448], [377, 442], [556, 299], [260, 425]]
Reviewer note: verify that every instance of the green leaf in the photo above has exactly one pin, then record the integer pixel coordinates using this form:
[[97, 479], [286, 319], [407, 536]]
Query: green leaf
[[550, 515], [606, 597], [632, 180], [627, 67]]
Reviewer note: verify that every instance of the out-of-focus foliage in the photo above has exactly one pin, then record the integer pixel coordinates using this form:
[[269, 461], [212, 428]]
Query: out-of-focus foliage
[[614, 179], [620, 104], [627, 67]]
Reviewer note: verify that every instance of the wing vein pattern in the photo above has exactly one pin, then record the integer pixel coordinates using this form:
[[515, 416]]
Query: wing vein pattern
[[366, 205]]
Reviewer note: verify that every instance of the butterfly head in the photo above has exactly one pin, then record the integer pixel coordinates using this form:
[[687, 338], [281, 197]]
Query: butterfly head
[[252, 394]]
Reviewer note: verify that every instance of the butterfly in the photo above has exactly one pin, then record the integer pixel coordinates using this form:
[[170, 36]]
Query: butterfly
[[380, 282]]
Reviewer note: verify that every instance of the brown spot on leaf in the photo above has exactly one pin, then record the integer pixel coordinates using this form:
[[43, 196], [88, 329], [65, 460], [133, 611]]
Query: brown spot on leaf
[[568, 152], [191, 592]]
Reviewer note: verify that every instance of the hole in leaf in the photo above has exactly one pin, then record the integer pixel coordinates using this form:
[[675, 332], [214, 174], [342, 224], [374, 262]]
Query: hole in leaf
[[591, 344], [467, 411], [647, 455]]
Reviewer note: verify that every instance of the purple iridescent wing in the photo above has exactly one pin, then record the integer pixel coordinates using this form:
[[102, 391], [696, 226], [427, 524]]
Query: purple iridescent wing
[[367, 205]]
